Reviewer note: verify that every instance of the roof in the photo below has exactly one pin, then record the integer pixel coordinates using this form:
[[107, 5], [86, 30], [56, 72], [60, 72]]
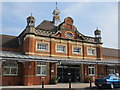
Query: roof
[[46, 25], [9, 41], [6, 55], [110, 52]]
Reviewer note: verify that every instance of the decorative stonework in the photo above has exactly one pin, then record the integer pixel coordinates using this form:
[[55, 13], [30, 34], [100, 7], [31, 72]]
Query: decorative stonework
[[44, 32]]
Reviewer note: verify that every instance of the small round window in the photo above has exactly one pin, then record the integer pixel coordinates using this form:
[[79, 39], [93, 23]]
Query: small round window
[[69, 35]]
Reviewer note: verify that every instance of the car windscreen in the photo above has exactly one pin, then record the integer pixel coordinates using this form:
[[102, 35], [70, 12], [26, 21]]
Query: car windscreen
[[106, 77]]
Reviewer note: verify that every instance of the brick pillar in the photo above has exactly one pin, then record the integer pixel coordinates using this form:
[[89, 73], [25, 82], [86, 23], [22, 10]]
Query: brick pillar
[[84, 51], [29, 44], [99, 52], [52, 45], [82, 73], [96, 70], [29, 73], [68, 49]]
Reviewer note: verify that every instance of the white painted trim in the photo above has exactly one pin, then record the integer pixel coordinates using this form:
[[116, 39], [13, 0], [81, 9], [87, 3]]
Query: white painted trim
[[42, 42], [92, 49], [76, 46], [61, 44], [29, 35]]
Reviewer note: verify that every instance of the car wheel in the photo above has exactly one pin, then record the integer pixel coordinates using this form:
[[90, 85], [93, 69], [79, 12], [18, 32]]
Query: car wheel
[[99, 86], [112, 85]]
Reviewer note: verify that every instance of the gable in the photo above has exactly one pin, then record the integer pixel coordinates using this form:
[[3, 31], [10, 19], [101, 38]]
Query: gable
[[68, 24]]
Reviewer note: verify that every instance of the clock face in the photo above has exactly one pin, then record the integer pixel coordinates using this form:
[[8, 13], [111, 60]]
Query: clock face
[[69, 35]]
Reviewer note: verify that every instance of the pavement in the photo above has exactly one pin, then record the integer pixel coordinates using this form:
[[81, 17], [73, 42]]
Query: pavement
[[59, 86]]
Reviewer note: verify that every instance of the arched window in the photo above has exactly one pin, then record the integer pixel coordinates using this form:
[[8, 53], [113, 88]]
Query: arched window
[[10, 68]]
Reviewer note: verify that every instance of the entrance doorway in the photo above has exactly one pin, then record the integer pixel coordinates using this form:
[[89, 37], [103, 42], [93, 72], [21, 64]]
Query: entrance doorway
[[63, 70]]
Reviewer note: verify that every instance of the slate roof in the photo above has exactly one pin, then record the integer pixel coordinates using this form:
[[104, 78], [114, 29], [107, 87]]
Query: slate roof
[[46, 25], [9, 41], [110, 52]]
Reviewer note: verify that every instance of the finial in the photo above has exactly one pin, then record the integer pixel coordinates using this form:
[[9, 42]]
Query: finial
[[97, 28], [31, 14]]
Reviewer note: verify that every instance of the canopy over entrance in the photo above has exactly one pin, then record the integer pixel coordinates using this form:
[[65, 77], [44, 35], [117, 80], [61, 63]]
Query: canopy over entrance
[[5, 55]]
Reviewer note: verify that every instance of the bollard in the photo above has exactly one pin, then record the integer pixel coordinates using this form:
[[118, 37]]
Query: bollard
[[69, 83], [69, 80], [42, 82], [90, 83]]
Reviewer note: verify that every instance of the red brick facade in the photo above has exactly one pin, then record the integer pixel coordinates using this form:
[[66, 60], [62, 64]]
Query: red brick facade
[[27, 69]]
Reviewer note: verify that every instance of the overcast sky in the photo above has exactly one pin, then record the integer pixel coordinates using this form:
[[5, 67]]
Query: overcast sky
[[87, 17]]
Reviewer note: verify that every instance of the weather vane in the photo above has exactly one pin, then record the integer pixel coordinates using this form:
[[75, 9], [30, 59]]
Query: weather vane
[[56, 4]]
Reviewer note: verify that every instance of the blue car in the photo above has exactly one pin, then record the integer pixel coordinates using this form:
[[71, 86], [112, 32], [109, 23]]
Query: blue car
[[108, 81]]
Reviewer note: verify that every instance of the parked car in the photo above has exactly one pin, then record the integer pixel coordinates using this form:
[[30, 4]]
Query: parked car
[[108, 81]]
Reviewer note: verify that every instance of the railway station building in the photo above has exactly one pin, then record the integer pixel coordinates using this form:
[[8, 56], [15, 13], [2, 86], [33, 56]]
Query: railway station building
[[55, 50]]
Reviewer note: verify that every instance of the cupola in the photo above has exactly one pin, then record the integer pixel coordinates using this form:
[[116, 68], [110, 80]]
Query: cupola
[[97, 34], [31, 21]]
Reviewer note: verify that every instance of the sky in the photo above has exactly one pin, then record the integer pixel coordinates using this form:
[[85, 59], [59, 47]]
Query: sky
[[87, 17]]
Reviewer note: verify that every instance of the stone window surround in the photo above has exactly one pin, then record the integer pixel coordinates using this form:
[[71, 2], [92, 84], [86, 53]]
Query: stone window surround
[[76, 46], [60, 44], [45, 65], [42, 42], [10, 69], [111, 69], [93, 48], [92, 67]]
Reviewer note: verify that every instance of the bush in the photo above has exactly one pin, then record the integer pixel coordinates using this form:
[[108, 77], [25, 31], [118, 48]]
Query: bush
[[87, 80], [54, 81]]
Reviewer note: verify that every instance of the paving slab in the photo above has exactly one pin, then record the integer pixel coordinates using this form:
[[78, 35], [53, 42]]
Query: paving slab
[[57, 86]]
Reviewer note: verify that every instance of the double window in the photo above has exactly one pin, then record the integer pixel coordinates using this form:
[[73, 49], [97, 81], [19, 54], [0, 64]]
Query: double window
[[42, 47], [77, 50], [91, 70], [61, 48], [111, 71], [41, 69], [10, 68], [91, 51]]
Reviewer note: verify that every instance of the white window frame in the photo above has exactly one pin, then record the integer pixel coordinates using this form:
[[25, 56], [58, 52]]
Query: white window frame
[[41, 65], [91, 52], [80, 50], [90, 70], [42, 50], [10, 69], [65, 49]]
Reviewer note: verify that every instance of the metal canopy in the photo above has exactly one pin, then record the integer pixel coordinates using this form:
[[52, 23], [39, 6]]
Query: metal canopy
[[5, 55]]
